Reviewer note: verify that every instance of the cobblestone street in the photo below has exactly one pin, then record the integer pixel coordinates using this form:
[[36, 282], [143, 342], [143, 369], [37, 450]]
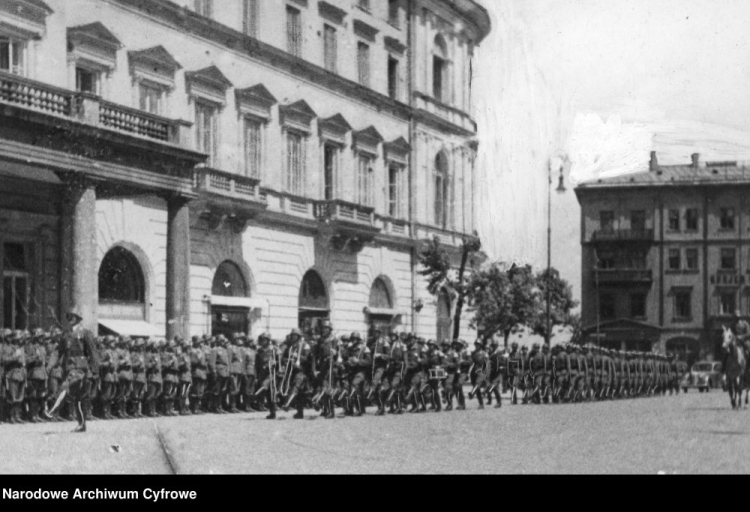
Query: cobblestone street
[[693, 433]]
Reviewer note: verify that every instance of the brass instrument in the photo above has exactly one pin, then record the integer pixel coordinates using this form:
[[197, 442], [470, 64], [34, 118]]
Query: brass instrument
[[293, 361]]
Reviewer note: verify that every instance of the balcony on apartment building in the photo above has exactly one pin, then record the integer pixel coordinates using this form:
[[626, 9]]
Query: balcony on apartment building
[[612, 235], [623, 277]]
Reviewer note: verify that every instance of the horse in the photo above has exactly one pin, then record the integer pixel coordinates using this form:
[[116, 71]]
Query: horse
[[735, 367]]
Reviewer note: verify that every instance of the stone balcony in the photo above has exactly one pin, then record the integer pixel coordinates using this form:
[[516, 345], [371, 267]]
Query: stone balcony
[[623, 235], [623, 277]]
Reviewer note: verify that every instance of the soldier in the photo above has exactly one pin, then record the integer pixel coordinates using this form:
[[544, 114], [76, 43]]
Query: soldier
[[218, 372], [513, 372], [248, 376], [379, 350], [590, 371], [498, 364], [674, 385], [298, 358], [561, 377], [267, 366], [394, 374], [124, 369], [94, 390], [538, 365], [236, 370], [138, 358], [326, 354], [182, 351], [36, 367], [170, 376], [479, 371], [451, 363], [155, 381], [54, 371], [525, 374], [434, 363], [15, 375], [414, 376], [108, 377], [198, 367], [357, 363]]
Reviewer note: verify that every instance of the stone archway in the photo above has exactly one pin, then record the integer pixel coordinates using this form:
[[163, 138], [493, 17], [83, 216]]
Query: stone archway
[[314, 302]]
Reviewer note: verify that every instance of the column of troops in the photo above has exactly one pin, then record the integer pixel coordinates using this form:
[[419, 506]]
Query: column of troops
[[136, 377]]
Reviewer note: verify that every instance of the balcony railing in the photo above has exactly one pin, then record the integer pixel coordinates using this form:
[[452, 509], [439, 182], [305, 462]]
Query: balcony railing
[[227, 184], [623, 276], [623, 235], [345, 211], [90, 109]]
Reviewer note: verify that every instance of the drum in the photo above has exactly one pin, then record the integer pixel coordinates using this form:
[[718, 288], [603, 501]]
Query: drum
[[438, 374]]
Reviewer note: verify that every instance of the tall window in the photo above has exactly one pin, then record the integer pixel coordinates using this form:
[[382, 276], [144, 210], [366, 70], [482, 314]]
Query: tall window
[[363, 63], [440, 183], [293, 31], [638, 305], [229, 281], [728, 259], [395, 191], [393, 13], [16, 285], [393, 78], [605, 260], [205, 130], [674, 259], [726, 218], [330, 48], [691, 219], [253, 147], [204, 7], [12, 55], [638, 220], [330, 163], [607, 220], [87, 80], [727, 302], [121, 278], [606, 306], [151, 98], [295, 163], [683, 308], [674, 220], [691, 259], [364, 181], [439, 69], [250, 17]]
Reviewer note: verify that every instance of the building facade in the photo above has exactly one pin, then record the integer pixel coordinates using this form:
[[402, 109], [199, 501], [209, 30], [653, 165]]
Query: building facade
[[666, 255], [189, 167]]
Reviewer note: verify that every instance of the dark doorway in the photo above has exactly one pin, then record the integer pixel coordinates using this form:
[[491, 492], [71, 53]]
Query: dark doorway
[[313, 303]]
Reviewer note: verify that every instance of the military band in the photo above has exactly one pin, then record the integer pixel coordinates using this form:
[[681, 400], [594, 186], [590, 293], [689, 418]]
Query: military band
[[66, 374]]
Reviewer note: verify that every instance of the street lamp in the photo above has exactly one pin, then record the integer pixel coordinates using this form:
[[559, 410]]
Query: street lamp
[[560, 189]]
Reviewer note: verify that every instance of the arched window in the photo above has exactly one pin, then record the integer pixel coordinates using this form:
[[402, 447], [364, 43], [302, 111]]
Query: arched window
[[228, 281], [444, 316], [441, 189], [121, 278], [312, 294], [440, 69], [380, 297]]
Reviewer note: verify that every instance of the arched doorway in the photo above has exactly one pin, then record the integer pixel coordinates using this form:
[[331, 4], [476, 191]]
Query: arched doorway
[[381, 312], [444, 317], [228, 317], [687, 349], [122, 286], [313, 303]]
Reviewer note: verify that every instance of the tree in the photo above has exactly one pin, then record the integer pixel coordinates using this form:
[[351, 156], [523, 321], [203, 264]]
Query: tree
[[503, 299], [440, 275], [561, 303]]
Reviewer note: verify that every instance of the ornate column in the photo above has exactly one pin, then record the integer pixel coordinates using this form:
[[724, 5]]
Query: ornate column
[[178, 267], [79, 272]]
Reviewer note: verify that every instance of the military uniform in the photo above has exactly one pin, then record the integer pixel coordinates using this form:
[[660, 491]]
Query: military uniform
[[218, 373], [514, 372], [395, 374], [498, 365], [155, 381], [434, 361], [198, 368], [378, 383], [185, 378], [298, 359], [325, 356], [561, 380], [479, 372], [357, 363], [80, 361], [236, 372], [140, 378], [108, 378], [124, 369], [266, 369], [36, 367], [249, 376], [15, 376]]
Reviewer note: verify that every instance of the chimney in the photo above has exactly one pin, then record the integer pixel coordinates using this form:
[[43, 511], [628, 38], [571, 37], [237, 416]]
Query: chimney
[[696, 157], [654, 163]]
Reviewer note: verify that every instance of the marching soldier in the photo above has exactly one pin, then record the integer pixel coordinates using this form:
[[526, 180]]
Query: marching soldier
[[538, 366], [36, 362], [267, 366], [198, 368], [378, 384], [451, 364], [498, 365], [218, 371], [54, 371], [479, 371], [155, 381], [124, 367], [108, 378], [357, 363], [15, 375], [414, 376], [561, 374], [138, 358], [327, 354], [184, 367], [514, 372], [297, 358], [394, 374], [236, 354], [248, 376], [434, 360]]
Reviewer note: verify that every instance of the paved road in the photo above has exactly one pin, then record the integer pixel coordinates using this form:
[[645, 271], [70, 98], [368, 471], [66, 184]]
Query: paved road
[[693, 433]]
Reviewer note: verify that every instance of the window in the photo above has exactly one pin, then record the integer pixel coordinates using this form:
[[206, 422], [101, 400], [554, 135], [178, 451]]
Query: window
[[691, 219], [12, 55], [253, 147], [674, 220], [607, 220], [441, 190], [250, 16], [683, 308], [364, 181], [674, 259], [691, 259], [295, 163], [150, 98], [439, 69], [638, 220], [16, 285], [330, 164], [728, 260], [395, 191], [330, 48], [393, 78], [363, 63], [205, 130], [606, 306], [121, 278], [393, 13], [638, 305], [293, 31], [726, 217], [87, 80], [204, 7], [606, 260], [229, 281], [727, 302]]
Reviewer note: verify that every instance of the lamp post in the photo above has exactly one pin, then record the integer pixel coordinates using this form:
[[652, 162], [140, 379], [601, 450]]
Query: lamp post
[[560, 189]]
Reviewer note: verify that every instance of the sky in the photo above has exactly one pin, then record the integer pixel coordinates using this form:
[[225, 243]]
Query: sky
[[604, 83]]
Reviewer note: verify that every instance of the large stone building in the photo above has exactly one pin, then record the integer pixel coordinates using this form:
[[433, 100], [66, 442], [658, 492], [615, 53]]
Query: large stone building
[[178, 168], [666, 253]]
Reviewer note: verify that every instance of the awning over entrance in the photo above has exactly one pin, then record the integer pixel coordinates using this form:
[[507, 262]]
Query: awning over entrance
[[238, 302], [130, 327]]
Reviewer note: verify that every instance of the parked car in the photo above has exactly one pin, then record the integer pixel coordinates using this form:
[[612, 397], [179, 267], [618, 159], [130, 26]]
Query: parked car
[[704, 375]]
